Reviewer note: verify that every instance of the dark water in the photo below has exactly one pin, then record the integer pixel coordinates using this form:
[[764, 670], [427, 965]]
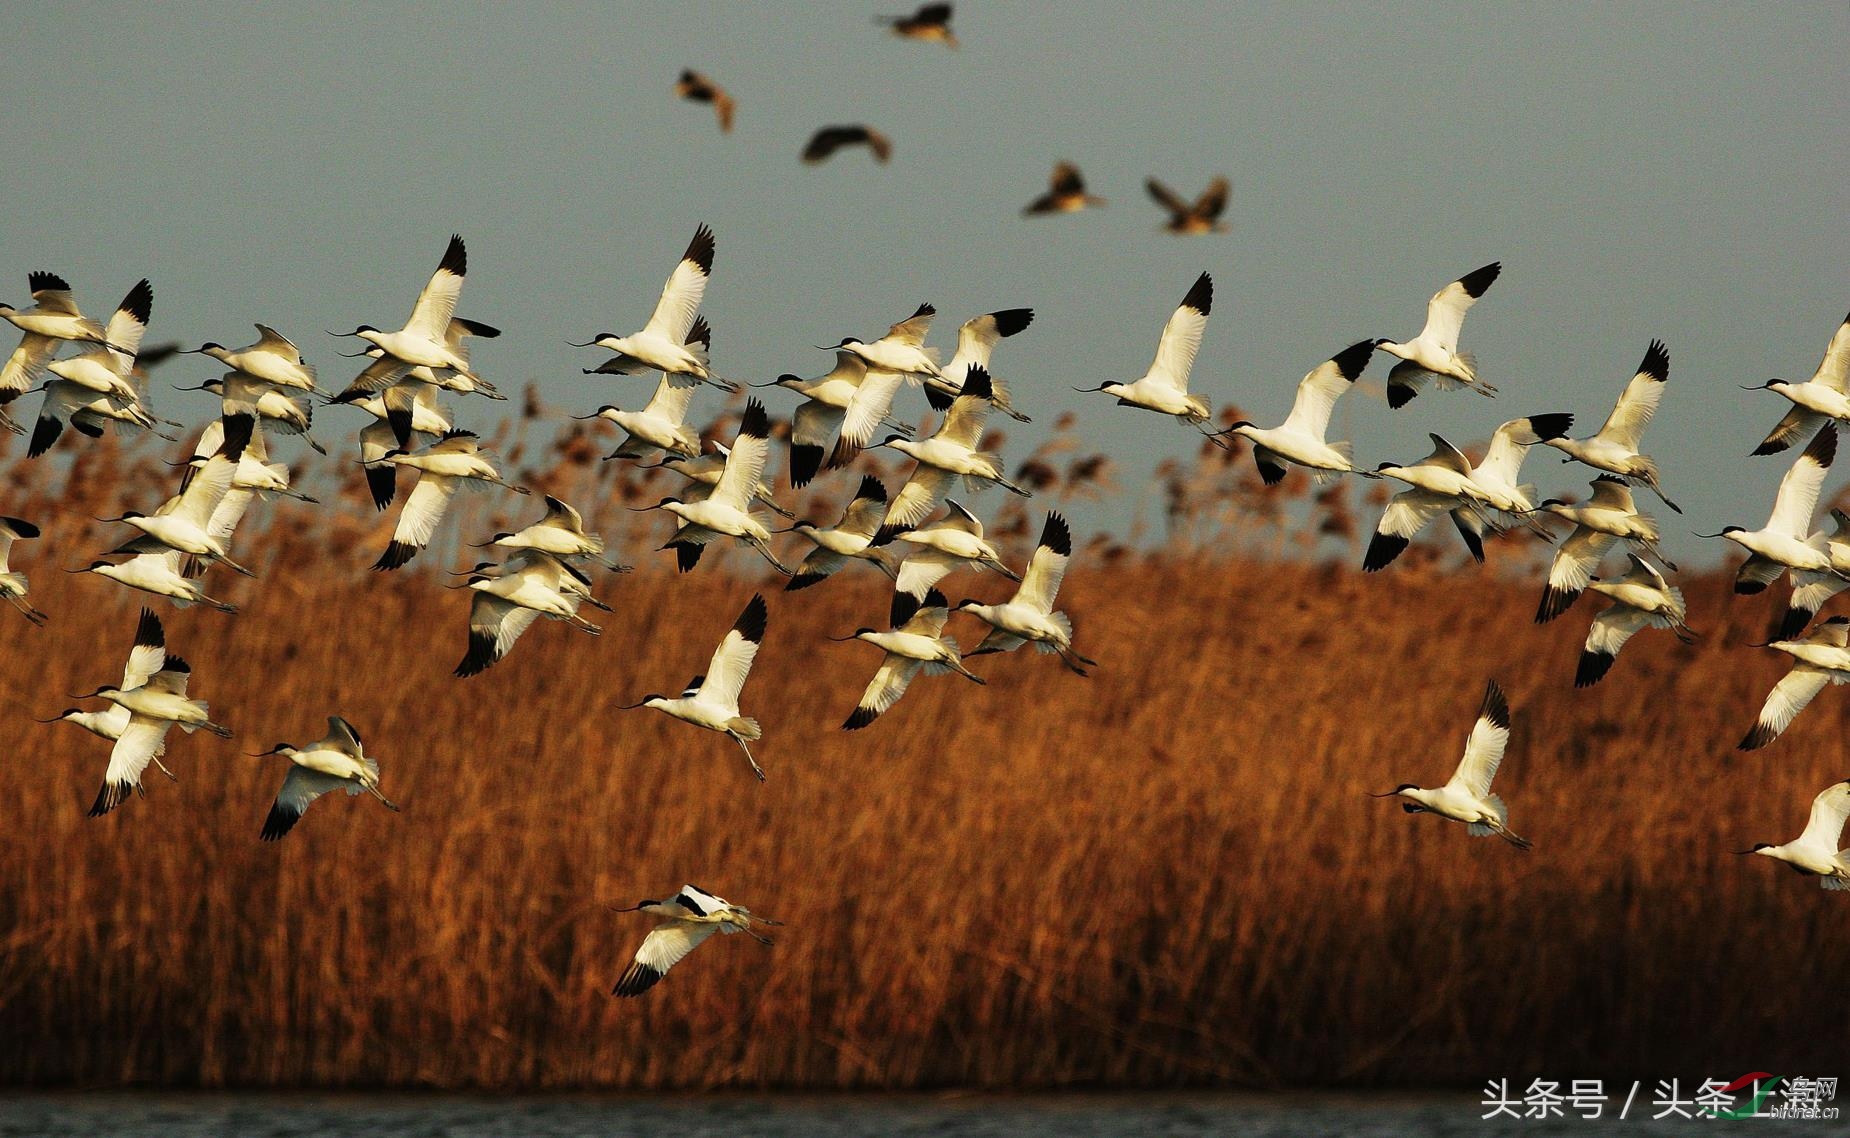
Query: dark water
[[154, 1115]]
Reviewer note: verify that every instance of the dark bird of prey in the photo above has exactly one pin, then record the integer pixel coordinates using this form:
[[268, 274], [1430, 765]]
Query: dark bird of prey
[[697, 88], [930, 24], [832, 138], [1201, 217], [1066, 193]]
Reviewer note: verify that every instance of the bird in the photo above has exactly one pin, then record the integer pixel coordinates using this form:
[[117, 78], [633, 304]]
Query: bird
[[849, 539], [391, 378], [1641, 599], [1826, 395], [697, 88], [661, 424], [1029, 615], [1066, 193], [1466, 796], [153, 706], [692, 916], [13, 584], [379, 438], [1822, 657], [1433, 355], [1812, 588], [337, 761], [1440, 483], [902, 349], [1300, 438], [158, 573], [705, 473], [53, 318], [424, 340], [1814, 852], [930, 24], [916, 643], [561, 533], [949, 453], [976, 342], [726, 511], [146, 656], [510, 597], [841, 410], [1202, 216], [246, 401], [829, 139], [941, 547], [711, 700], [1164, 387], [273, 359], [100, 379], [1615, 448], [183, 522], [1610, 516], [453, 461], [1785, 541], [666, 342]]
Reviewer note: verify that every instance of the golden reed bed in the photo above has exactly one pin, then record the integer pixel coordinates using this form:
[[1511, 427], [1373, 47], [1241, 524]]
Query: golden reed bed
[[1168, 874]]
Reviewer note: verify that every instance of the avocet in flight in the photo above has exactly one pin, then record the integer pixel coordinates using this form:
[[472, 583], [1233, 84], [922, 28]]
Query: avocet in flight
[[916, 643], [13, 584], [1823, 397], [1466, 796], [337, 761], [424, 340], [726, 512], [1821, 658], [1433, 355], [691, 916], [1641, 599], [712, 700], [147, 656], [664, 343], [1164, 387], [1300, 438], [1029, 615], [1814, 852], [153, 707], [1615, 448]]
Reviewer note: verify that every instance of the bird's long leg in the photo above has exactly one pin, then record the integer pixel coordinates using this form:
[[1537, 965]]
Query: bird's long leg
[[787, 515], [999, 567], [583, 625], [235, 567], [1071, 659], [765, 550], [1012, 488], [383, 800], [1501, 831], [30, 613], [164, 770], [218, 729], [597, 604], [756, 769], [956, 664]]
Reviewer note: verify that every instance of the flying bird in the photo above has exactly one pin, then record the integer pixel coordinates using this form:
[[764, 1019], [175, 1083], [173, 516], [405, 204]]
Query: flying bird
[[424, 341], [334, 762], [946, 545], [902, 349], [153, 707], [1641, 599], [53, 319], [976, 342], [1466, 796], [1164, 387], [849, 539], [1066, 193], [1814, 852], [273, 359], [443, 467], [1812, 588], [1200, 216], [697, 88], [948, 454], [662, 424], [1029, 615], [712, 700], [510, 597], [667, 343], [930, 24], [1615, 448], [1300, 438], [1433, 355], [727, 510], [916, 643], [1609, 517], [13, 584], [841, 410], [1786, 541], [1825, 396], [1822, 657], [146, 656], [829, 139], [691, 916]]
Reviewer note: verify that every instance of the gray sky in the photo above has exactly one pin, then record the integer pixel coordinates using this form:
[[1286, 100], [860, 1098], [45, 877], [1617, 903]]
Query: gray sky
[[1642, 170]]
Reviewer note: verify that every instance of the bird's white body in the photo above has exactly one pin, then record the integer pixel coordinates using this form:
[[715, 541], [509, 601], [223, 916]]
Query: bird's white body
[[1823, 396], [273, 359], [1615, 448], [1434, 354], [692, 916], [1029, 616], [1163, 388], [712, 700], [159, 573], [1300, 438], [664, 343], [1815, 851], [1787, 540], [335, 762], [1466, 796]]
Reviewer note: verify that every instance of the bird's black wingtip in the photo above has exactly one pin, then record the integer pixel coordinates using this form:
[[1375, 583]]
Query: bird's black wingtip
[[1656, 362], [1200, 295], [751, 622]]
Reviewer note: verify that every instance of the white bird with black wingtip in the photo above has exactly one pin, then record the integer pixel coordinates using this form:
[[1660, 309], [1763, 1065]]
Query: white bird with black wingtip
[[1301, 438], [712, 700], [917, 642], [1814, 852], [1641, 599], [1029, 616], [948, 454], [1610, 516], [153, 707], [840, 412], [1786, 541], [692, 915], [445, 466], [337, 761], [424, 340], [1821, 658], [1466, 796], [1615, 448], [847, 540], [901, 350], [1433, 355], [13, 584], [976, 343], [510, 597], [727, 511], [664, 343], [1823, 397], [953, 542], [1164, 387], [146, 656]]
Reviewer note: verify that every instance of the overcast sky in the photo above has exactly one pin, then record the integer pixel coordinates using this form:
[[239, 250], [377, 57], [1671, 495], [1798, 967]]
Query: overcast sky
[[1642, 170]]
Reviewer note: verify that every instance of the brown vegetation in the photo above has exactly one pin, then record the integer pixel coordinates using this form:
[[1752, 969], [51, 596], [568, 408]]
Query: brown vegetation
[[1167, 874]]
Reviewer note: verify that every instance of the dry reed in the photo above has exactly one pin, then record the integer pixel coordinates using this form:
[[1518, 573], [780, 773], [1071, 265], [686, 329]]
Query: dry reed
[[1168, 874]]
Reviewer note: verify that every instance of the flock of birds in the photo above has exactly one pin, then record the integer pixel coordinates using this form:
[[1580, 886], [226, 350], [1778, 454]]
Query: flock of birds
[[917, 536]]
